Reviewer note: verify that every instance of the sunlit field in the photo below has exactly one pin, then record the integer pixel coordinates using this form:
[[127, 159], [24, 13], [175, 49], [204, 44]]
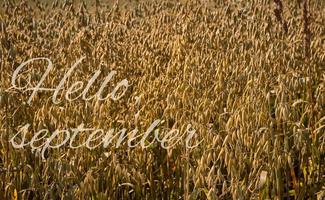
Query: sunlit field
[[247, 78]]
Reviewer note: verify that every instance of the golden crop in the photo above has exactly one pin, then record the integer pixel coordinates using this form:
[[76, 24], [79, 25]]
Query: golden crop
[[249, 76]]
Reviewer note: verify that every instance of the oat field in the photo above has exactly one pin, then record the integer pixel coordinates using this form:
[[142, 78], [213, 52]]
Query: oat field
[[249, 76]]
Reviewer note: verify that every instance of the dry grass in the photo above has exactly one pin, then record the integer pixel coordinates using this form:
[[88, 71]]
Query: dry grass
[[233, 71]]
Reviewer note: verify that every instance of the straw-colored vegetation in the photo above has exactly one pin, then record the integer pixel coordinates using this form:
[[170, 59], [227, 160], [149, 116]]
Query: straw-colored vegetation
[[248, 75]]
